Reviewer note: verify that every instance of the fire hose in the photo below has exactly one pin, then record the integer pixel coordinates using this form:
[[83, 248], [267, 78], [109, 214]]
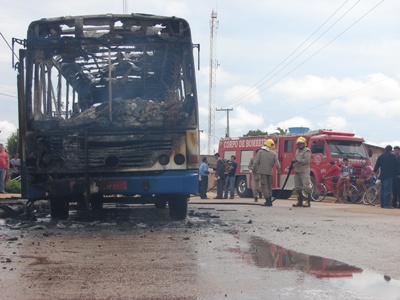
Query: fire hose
[[286, 180]]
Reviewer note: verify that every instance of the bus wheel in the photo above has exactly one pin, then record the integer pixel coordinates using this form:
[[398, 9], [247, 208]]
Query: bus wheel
[[241, 188], [178, 206], [59, 208], [96, 201]]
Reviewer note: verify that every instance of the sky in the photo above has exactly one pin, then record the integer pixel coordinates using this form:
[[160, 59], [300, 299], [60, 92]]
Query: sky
[[321, 64]]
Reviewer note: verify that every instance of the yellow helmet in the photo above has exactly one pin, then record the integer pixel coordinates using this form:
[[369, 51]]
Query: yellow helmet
[[301, 140], [270, 143]]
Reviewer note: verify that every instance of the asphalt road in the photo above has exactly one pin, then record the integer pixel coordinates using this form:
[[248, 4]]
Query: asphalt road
[[223, 250]]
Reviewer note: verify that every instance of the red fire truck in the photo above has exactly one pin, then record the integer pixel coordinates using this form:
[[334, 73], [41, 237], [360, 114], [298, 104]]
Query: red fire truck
[[325, 145]]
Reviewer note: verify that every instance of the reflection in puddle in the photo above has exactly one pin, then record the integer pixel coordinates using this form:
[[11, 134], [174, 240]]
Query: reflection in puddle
[[349, 280], [268, 255], [366, 284]]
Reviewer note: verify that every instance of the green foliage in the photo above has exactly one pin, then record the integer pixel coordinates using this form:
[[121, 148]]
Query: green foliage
[[13, 187], [257, 132], [12, 144], [281, 131]]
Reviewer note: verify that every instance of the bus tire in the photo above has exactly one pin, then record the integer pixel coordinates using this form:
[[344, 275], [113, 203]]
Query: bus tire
[[178, 206], [160, 203], [96, 201], [59, 208], [242, 189]]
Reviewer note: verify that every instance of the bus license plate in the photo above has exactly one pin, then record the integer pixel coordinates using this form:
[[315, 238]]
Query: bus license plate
[[114, 185]]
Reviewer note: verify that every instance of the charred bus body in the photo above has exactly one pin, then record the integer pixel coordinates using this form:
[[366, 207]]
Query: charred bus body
[[108, 106]]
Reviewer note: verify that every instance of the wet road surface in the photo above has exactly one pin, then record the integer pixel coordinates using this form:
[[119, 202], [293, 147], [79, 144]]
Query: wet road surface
[[219, 252]]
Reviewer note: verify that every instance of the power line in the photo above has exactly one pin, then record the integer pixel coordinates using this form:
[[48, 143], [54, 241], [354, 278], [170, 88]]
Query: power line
[[9, 95], [9, 45], [342, 96], [338, 97], [315, 53], [252, 88]]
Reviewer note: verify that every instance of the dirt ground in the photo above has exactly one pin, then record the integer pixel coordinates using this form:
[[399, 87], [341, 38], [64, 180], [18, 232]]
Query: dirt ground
[[138, 252]]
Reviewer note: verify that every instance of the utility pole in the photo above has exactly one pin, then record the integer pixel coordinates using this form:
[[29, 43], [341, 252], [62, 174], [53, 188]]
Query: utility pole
[[227, 118], [125, 6]]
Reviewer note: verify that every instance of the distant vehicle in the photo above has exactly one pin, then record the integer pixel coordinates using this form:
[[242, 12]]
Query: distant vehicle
[[325, 146], [108, 107]]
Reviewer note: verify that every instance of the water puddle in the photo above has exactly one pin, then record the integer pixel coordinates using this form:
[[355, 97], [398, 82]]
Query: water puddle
[[341, 276]]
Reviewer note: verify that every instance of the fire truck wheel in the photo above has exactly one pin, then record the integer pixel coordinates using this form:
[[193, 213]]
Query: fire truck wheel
[[178, 205], [241, 188], [59, 208]]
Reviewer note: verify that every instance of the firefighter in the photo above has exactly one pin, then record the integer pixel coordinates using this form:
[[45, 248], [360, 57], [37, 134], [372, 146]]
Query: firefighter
[[263, 163], [302, 180], [256, 187]]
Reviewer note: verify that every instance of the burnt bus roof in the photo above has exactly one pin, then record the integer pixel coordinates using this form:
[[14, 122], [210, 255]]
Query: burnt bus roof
[[106, 19], [138, 46]]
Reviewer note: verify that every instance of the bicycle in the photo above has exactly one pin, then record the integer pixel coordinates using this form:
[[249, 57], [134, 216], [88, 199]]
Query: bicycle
[[349, 191], [372, 194], [320, 190], [18, 178]]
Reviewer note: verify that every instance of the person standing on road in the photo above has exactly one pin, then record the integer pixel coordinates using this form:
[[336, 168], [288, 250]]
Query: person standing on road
[[219, 175], [16, 164], [302, 179], [255, 182], [265, 160], [387, 163], [4, 164], [396, 180], [230, 178], [203, 171]]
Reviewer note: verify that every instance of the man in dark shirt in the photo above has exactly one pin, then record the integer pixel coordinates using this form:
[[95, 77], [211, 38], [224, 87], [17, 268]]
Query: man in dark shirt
[[387, 163], [396, 180], [219, 175], [230, 178]]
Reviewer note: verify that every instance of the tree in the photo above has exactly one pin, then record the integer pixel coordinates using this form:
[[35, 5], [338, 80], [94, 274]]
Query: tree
[[257, 132], [12, 144], [281, 131]]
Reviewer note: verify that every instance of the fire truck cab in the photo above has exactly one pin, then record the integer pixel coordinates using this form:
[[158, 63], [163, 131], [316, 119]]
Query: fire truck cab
[[325, 146]]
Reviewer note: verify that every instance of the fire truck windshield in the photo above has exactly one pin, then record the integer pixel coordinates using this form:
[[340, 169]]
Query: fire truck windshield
[[350, 149]]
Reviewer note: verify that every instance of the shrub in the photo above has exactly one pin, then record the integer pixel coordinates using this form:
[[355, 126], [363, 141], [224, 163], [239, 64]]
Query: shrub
[[13, 187]]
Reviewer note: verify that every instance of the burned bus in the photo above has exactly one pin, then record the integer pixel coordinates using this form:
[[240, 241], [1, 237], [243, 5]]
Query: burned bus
[[108, 112]]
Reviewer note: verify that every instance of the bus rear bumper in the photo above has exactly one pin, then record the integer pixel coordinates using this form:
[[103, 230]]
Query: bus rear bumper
[[169, 182]]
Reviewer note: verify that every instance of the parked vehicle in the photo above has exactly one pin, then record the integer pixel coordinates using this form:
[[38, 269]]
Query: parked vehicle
[[108, 106], [325, 146]]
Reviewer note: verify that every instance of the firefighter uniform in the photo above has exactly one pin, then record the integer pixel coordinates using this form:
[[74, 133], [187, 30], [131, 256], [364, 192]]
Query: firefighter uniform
[[256, 180], [302, 181], [264, 163]]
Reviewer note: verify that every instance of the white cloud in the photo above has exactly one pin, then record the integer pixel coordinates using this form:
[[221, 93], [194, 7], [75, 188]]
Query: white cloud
[[7, 129], [293, 122], [346, 86], [311, 88], [204, 143], [333, 122], [241, 120], [236, 95]]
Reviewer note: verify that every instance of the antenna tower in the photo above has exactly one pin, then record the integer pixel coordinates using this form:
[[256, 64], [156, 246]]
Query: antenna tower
[[213, 73], [125, 6]]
